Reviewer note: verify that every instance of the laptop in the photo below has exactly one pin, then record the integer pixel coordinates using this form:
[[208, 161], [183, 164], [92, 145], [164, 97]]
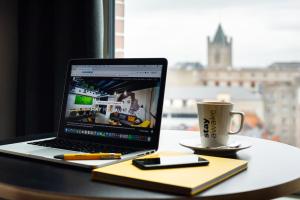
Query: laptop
[[109, 105]]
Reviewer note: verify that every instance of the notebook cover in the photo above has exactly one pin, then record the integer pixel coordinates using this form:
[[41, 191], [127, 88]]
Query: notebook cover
[[184, 181]]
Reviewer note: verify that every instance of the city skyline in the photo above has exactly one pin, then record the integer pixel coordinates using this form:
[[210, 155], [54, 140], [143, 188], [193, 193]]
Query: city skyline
[[263, 32]]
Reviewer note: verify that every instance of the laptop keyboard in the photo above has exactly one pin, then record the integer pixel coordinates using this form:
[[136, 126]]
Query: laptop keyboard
[[83, 146]]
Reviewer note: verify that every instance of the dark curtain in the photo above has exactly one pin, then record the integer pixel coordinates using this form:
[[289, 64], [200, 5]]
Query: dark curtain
[[50, 33]]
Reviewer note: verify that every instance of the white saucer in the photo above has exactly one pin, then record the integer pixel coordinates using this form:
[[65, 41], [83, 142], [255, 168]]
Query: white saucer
[[225, 150]]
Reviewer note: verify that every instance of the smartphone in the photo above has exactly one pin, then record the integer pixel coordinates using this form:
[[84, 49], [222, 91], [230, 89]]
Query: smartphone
[[170, 162]]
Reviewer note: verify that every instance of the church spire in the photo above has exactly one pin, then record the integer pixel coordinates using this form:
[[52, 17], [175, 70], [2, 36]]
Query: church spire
[[219, 50], [220, 37]]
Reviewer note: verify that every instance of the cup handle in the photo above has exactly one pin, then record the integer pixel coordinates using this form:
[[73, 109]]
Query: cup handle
[[242, 115]]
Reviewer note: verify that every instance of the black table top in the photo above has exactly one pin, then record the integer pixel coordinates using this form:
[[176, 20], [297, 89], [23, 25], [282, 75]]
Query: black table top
[[273, 171]]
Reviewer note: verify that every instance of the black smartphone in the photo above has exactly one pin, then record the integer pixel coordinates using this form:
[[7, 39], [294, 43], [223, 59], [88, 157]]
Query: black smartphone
[[170, 162]]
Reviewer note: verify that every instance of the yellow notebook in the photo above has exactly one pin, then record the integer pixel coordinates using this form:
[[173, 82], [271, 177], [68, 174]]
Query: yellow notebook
[[184, 181]]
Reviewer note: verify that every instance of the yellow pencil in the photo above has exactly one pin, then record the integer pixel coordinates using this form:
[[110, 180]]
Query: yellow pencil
[[89, 156]]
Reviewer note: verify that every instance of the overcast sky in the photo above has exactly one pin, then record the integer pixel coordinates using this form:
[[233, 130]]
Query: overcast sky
[[263, 31]]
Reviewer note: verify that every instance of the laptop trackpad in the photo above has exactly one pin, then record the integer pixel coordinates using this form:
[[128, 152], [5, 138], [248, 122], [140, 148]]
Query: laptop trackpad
[[50, 152]]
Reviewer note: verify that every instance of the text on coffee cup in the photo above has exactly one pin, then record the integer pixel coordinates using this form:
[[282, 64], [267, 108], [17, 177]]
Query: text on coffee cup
[[210, 125]]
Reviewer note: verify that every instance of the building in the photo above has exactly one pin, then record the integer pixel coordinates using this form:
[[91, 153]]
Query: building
[[119, 29], [180, 106], [277, 88], [219, 50], [188, 65], [280, 101]]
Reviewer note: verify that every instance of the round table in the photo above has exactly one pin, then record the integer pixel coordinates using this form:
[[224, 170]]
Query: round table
[[273, 171]]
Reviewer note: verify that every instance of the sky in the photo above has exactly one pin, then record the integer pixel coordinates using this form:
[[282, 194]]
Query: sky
[[263, 31]]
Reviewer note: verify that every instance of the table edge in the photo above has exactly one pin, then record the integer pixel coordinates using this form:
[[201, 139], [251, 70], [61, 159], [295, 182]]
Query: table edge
[[19, 193]]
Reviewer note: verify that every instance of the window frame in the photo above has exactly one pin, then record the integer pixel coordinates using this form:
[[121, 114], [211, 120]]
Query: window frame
[[109, 29]]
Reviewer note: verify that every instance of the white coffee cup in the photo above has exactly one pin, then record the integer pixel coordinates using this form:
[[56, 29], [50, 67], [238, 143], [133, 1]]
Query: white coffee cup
[[214, 121]]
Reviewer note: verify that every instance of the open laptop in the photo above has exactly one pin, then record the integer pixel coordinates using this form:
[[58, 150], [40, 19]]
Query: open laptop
[[109, 105]]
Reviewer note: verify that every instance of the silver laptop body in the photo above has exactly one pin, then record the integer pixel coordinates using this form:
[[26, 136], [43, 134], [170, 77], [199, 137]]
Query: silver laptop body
[[116, 103]]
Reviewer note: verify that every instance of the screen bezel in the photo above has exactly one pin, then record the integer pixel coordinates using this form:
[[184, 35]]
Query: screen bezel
[[153, 144]]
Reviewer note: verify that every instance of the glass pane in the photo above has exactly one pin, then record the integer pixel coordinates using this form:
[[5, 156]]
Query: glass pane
[[119, 29], [246, 52]]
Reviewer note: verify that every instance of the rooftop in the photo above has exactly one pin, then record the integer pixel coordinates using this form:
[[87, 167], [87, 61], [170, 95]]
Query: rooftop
[[220, 37], [188, 65], [285, 65], [211, 92]]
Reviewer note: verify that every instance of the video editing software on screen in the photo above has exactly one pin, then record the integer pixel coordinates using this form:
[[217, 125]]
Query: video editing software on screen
[[113, 101]]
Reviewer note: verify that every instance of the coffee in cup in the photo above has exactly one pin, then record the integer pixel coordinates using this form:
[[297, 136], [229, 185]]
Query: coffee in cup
[[214, 121]]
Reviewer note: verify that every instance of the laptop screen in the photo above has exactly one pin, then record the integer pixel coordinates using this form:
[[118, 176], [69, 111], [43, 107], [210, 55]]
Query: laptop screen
[[113, 101]]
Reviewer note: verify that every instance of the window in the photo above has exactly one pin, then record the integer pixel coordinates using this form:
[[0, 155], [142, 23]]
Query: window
[[230, 50], [167, 102], [119, 28], [191, 103], [178, 103], [217, 57]]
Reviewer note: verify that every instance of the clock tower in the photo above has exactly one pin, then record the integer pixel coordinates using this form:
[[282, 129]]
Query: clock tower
[[219, 50]]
